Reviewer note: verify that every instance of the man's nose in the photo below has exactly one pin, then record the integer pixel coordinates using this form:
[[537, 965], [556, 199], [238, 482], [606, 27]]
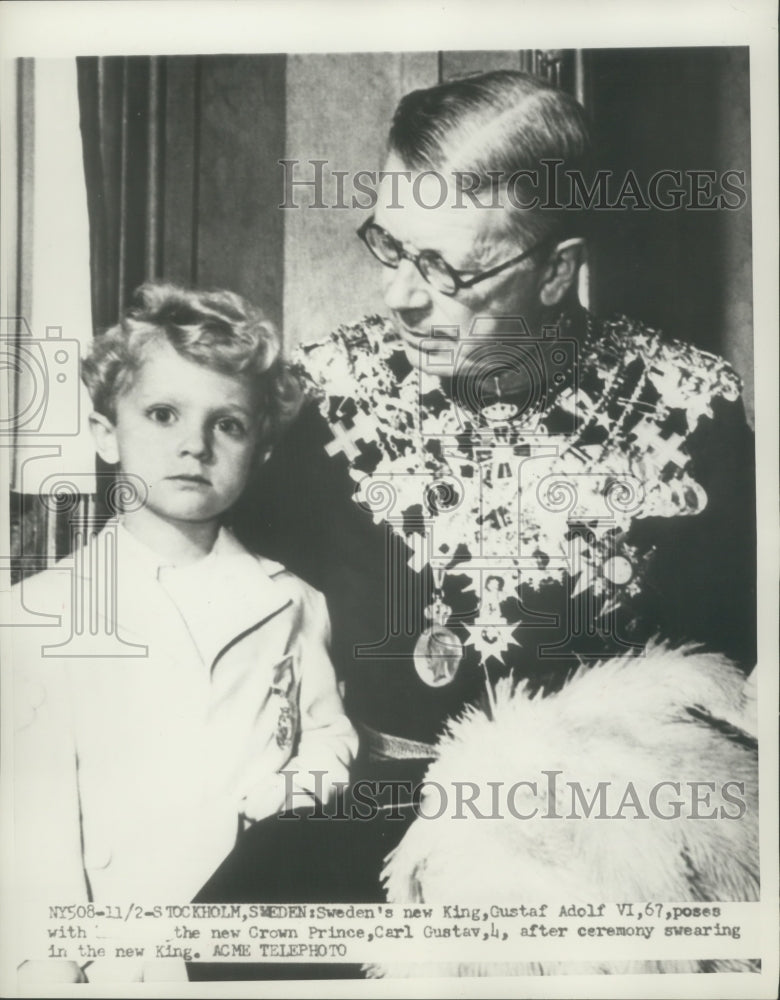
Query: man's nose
[[405, 288]]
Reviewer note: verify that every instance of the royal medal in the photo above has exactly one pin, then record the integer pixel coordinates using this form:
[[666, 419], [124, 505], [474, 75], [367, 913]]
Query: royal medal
[[437, 656]]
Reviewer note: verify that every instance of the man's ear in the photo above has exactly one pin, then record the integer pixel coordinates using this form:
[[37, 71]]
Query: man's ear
[[104, 436], [561, 272]]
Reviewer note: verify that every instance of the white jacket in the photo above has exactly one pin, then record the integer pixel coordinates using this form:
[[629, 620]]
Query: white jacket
[[136, 745]]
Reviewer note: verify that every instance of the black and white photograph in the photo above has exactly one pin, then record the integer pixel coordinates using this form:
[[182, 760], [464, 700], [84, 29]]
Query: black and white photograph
[[389, 506]]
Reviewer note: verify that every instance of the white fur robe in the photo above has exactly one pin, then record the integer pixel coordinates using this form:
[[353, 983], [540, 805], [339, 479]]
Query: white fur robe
[[669, 715]]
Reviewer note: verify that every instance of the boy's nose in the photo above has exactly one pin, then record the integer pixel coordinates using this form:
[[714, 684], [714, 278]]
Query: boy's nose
[[196, 442], [405, 288]]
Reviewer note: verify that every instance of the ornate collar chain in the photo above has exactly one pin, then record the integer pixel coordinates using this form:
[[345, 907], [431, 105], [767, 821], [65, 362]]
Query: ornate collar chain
[[506, 484]]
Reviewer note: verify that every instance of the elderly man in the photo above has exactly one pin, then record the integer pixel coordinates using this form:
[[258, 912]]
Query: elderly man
[[492, 428], [490, 485]]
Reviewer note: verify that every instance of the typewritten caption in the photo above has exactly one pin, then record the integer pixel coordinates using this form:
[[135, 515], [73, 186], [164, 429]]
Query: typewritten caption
[[385, 932]]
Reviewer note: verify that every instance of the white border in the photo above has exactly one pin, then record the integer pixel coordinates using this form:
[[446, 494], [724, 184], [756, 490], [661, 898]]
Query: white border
[[69, 28]]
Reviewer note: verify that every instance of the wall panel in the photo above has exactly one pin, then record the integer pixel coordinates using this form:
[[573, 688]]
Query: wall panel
[[338, 109], [456, 64]]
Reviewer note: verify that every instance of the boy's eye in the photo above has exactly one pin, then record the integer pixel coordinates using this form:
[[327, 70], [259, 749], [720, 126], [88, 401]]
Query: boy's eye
[[231, 426], [163, 415]]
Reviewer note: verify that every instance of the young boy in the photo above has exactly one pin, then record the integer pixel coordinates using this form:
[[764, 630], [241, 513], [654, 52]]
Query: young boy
[[206, 672]]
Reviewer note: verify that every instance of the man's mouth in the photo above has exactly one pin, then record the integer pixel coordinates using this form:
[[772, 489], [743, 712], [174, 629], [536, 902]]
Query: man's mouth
[[417, 335], [414, 321], [410, 332]]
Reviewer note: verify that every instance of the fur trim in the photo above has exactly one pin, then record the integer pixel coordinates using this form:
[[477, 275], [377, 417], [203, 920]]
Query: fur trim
[[671, 715]]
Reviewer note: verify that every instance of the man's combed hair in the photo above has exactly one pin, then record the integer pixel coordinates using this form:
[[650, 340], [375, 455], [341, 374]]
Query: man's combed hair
[[216, 329], [493, 125]]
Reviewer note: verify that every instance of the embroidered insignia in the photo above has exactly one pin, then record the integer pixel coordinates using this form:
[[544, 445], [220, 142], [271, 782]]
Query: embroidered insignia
[[285, 726], [284, 691], [465, 487]]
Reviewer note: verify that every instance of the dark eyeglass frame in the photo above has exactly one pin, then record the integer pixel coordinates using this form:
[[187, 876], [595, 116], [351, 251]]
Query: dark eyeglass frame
[[459, 278]]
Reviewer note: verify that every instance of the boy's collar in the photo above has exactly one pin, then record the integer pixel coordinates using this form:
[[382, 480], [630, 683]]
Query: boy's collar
[[131, 550], [147, 560], [228, 545], [224, 595]]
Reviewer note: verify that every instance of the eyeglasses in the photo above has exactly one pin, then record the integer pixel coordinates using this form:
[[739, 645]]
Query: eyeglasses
[[430, 263]]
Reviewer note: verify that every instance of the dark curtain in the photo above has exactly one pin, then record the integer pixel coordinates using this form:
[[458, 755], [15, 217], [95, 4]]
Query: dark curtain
[[122, 131], [123, 134], [674, 109], [181, 158]]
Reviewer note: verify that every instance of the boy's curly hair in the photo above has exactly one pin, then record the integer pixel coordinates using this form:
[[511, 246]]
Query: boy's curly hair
[[217, 329]]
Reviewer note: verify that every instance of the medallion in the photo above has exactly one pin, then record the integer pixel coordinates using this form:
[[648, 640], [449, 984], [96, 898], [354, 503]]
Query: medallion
[[437, 655]]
